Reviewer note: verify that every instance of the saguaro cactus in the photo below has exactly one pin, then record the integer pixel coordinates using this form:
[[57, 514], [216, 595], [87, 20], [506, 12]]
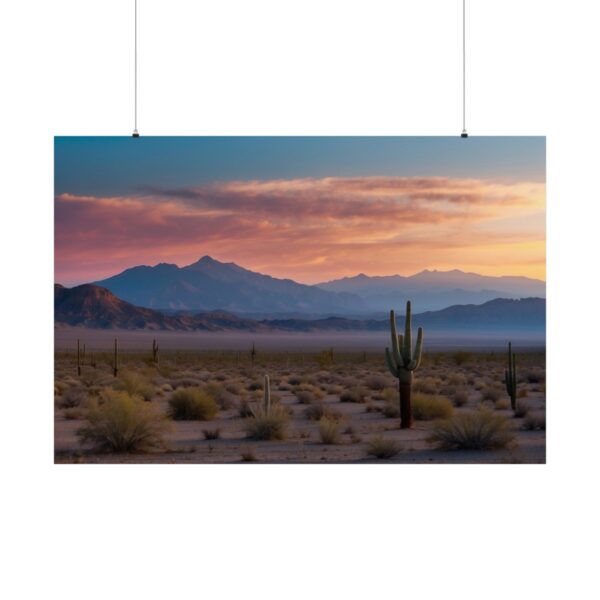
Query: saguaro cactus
[[402, 361], [510, 377], [155, 351], [253, 354], [78, 360], [267, 395], [116, 360]]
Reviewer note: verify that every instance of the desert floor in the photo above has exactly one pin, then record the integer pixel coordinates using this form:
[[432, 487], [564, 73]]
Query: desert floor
[[353, 389]]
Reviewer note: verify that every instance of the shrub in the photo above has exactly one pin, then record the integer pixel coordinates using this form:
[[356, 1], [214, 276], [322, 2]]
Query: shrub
[[317, 411], [460, 357], [376, 382], [502, 404], [187, 404], [427, 386], [271, 425], [73, 396], [248, 455], [123, 423], [245, 408], [534, 423], [491, 393], [475, 430], [426, 407], [219, 394], [391, 409], [355, 394], [135, 384], [212, 434], [460, 398], [329, 431], [305, 397], [380, 447]]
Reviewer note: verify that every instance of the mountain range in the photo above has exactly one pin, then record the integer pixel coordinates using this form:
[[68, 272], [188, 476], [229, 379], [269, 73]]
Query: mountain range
[[96, 307], [209, 285]]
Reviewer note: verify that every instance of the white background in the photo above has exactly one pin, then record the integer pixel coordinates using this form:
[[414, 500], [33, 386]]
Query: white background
[[299, 67]]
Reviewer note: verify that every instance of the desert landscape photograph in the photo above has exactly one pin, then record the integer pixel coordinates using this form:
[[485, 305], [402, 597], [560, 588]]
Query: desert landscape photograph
[[365, 300]]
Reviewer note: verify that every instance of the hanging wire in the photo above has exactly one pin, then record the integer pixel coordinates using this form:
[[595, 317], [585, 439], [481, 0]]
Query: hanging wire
[[464, 50], [135, 129]]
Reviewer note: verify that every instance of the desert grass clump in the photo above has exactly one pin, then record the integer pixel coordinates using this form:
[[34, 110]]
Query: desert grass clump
[[123, 423], [317, 411], [475, 430], [305, 397], [376, 382], [460, 398], [329, 431], [356, 394], [381, 447], [502, 404], [134, 384], [267, 425], [427, 407], [491, 393], [192, 404], [248, 455], [72, 397]]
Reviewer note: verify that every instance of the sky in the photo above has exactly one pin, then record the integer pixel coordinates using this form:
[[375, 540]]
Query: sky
[[310, 209]]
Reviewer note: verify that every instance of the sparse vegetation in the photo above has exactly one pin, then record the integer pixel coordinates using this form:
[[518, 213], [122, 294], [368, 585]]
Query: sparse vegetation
[[267, 425], [427, 407], [329, 431]]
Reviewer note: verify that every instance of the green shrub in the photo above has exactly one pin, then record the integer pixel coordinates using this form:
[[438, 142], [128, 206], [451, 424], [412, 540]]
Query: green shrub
[[426, 407], [381, 447], [186, 404], [123, 424], [476, 430]]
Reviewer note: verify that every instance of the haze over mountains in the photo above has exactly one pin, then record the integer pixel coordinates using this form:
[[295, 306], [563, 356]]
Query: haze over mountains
[[209, 285], [97, 308]]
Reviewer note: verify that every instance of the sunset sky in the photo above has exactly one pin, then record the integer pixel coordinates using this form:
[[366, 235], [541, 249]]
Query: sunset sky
[[310, 209]]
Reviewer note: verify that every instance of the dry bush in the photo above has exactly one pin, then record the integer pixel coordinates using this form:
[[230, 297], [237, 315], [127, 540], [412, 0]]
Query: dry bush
[[267, 425], [522, 393], [460, 357], [460, 398], [135, 384], [123, 423], [248, 455], [334, 389], [317, 411], [306, 397], [391, 409], [72, 397], [534, 423], [211, 434], [475, 430], [329, 431], [492, 393], [426, 407], [381, 447], [244, 408], [376, 382], [521, 409], [502, 404], [220, 395], [427, 385], [187, 404], [355, 394]]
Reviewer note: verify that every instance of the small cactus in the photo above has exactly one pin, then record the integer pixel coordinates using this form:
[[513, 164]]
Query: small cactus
[[510, 377], [401, 361], [267, 395], [116, 360], [155, 351], [253, 354]]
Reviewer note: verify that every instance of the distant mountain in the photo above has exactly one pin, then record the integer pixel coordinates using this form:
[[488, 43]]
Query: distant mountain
[[96, 307], [434, 290], [209, 285]]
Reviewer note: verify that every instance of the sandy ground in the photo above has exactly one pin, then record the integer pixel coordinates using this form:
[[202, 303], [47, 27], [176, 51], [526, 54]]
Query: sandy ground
[[186, 443]]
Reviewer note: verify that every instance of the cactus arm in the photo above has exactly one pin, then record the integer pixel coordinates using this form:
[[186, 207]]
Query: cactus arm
[[390, 363], [396, 343], [418, 348], [407, 353]]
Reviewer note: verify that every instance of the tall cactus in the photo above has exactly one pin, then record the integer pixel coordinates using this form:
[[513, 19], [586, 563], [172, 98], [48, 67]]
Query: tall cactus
[[402, 361], [267, 395], [510, 377]]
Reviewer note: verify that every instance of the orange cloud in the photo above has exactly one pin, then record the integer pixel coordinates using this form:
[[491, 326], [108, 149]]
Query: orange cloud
[[308, 229]]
